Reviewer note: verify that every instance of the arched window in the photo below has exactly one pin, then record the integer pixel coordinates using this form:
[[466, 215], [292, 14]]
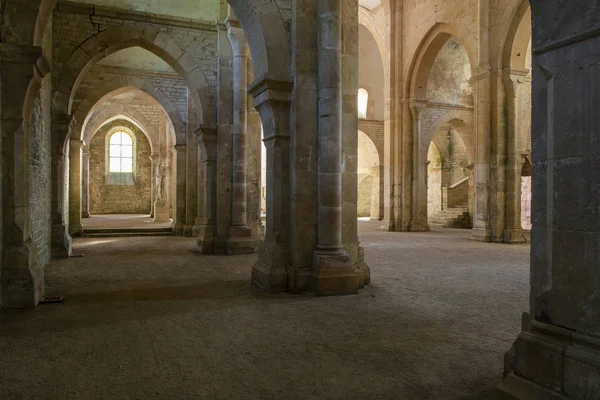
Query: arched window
[[363, 102], [121, 153]]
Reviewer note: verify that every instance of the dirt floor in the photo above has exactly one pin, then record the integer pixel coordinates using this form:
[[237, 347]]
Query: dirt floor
[[148, 318]]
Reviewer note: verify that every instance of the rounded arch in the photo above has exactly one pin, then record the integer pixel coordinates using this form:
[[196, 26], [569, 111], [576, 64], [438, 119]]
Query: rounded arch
[[427, 51], [518, 37], [149, 38], [124, 84]]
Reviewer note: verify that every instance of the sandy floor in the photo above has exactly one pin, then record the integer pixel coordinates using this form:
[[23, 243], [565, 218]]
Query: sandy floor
[[147, 318]]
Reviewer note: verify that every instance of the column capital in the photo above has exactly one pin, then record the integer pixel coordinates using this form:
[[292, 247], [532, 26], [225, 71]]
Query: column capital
[[23, 54], [76, 144], [263, 89], [154, 157], [179, 148], [513, 77]]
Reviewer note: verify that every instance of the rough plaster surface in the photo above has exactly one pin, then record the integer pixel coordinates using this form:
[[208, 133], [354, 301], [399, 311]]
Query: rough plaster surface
[[450, 75], [147, 317]]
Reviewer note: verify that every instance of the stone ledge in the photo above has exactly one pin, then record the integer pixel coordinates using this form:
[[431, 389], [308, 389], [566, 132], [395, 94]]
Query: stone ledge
[[117, 13]]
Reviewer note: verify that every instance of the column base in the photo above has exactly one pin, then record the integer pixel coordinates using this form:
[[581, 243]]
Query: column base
[[198, 227], [365, 280], [334, 275], [62, 243], [551, 362], [22, 279], [178, 230], [387, 225], [419, 226], [241, 241], [481, 234], [516, 388], [188, 231], [85, 214], [514, 236], [269, 273], [162, 212], [206, 239], [75, 229]]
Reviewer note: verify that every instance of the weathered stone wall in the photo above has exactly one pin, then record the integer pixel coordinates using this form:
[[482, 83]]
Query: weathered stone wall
[[75, 23], [450, 75], [172, 86], [370, 73], [420, 16], [115, 199], [39, 164]]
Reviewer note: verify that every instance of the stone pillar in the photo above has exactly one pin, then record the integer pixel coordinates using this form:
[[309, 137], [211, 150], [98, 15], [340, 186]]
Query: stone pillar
[[208, 229], [75, 165], [154, 160], [333, 272], [21, 277], [557, 354], [481, 219], [191, 190], [179, 164], [254, 166], [272, 99], [224, 141], [85, 199], [482, 82], [240, 239], [61, 241], [377, 192], [418, 221], [199, 221], [513, 232]]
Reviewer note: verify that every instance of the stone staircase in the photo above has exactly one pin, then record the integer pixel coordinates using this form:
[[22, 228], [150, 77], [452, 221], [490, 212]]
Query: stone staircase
[[126, 232], [455, 217]]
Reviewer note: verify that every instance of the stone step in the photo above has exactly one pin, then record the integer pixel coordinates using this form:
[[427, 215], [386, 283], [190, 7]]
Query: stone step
[[126, 232]]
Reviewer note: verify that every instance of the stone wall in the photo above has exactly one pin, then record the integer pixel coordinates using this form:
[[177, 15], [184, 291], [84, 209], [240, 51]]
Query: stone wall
[[173, 88], [39, 164], [115, 199], [450, 75], [370, 73]]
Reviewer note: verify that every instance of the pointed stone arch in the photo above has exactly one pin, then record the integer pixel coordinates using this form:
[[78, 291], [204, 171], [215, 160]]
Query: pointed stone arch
[[149, 38], [518, 37], [115, 113], [270, 49], [124, 84], [464, 117], [427, 51]]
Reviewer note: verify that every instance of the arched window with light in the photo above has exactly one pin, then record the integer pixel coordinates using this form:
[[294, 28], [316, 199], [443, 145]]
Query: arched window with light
[[363, 102], [120, 159]]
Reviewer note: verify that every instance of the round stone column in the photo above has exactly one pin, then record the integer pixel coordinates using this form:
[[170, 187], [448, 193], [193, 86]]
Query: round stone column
[[333, 272], [240, 240]]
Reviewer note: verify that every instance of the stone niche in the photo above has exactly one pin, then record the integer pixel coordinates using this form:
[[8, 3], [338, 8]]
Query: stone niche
[[125, 196]]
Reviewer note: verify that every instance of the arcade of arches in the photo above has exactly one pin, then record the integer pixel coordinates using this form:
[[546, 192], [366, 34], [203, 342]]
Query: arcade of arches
[[309, 146]]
